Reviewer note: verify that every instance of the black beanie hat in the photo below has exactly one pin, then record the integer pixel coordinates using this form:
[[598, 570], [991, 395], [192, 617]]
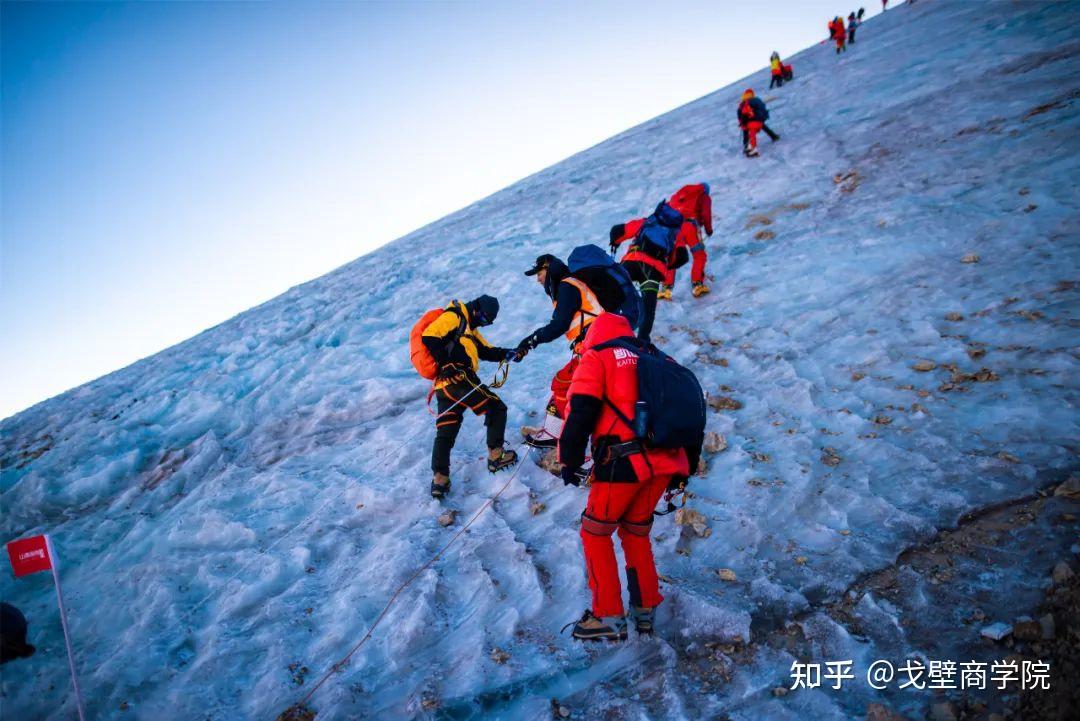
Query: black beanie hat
[[484, 309], [617, 231]]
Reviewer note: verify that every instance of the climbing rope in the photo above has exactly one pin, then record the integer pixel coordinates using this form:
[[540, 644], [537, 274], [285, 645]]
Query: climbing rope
[[297, 710], [304, 521]]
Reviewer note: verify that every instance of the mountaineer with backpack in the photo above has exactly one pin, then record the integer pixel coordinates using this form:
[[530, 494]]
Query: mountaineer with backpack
[[694, 202], [654, 250], [752, 115], [838, 34], [446, 347], [777, 71], [852, 25], [646, 416], [577, 304]]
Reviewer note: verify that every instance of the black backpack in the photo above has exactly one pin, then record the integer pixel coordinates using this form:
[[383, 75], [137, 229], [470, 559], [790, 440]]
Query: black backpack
[[657, 235], [608, 280], [669, 397]]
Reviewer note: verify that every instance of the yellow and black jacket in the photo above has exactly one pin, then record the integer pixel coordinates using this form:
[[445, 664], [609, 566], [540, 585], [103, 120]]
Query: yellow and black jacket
[[452, 341]]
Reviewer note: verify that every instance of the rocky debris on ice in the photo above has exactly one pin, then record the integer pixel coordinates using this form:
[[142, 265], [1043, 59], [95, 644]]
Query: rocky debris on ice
[[996, 631], [1062, 573], [694, 520], [714, 443]]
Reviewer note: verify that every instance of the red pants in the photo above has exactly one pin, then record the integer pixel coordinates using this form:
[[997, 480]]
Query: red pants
[[697, 270], [752, 129], [840, 42], [628, 508], [560, 386]]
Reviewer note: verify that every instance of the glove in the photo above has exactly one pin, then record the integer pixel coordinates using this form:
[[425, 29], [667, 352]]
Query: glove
[[614, 248], [511, 354], [525, 346], [570, 476], [677, 483]]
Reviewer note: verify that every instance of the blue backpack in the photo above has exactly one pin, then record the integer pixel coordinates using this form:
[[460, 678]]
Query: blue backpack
[[657, 236], [670, 411], [608, 280]]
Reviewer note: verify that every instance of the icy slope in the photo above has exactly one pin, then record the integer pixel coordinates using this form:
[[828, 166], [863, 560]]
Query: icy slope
[[170, 486]]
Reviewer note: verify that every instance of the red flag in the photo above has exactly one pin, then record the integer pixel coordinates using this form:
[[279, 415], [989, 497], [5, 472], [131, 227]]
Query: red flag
[[29, 555]]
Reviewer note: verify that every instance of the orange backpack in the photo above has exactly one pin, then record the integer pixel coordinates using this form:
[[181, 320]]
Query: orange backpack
[[420, 356]]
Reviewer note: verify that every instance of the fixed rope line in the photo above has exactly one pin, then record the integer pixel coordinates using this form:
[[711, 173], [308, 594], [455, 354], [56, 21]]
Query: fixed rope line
[[340, 665], [243, 567]]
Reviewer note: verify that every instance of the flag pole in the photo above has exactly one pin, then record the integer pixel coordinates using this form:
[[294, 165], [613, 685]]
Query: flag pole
[[63, 622]]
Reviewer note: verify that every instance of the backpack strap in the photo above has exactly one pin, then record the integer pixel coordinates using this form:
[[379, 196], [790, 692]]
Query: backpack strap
[[453, 339], [618, 343]]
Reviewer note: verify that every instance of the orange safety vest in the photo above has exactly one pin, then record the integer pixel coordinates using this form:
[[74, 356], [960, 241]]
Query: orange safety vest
[[590, 308]]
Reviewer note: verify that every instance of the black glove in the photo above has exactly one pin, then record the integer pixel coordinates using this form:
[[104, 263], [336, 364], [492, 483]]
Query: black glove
[[511, 354], [525, 346], [677, 483], [570, 476], [614, 248]]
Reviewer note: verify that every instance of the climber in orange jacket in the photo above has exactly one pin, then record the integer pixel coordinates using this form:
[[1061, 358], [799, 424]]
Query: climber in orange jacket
[[629, 477], [695, 203], [752, 115], [838, 32], [649, 271]]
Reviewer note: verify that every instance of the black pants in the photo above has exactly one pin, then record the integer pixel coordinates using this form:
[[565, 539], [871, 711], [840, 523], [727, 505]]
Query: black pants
[[482, 402], [851, 36], [648, 279], [777, 80]]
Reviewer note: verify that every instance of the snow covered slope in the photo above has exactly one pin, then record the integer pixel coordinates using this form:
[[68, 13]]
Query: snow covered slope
[[948, 129]]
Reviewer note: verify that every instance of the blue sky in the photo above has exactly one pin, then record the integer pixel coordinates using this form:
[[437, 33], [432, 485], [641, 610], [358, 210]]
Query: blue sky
[[168, 165]]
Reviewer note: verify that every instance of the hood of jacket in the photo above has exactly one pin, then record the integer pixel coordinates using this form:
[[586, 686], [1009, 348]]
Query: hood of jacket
[[607, 326]]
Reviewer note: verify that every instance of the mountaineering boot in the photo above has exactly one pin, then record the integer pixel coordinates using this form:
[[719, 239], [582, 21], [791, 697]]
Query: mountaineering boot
[[643, 618], [664, 293], [540, 439], [440, 486], [591, 628], [500, 458], [751, 152], [548, 435], [700, 289]]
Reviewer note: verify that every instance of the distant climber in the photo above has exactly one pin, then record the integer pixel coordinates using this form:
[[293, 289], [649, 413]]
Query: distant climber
[[575, 308], [776, 70], [655, 248], [629, 473], [453, 340], [838, 33], [752, 115], [13, 628], [852, 25]]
